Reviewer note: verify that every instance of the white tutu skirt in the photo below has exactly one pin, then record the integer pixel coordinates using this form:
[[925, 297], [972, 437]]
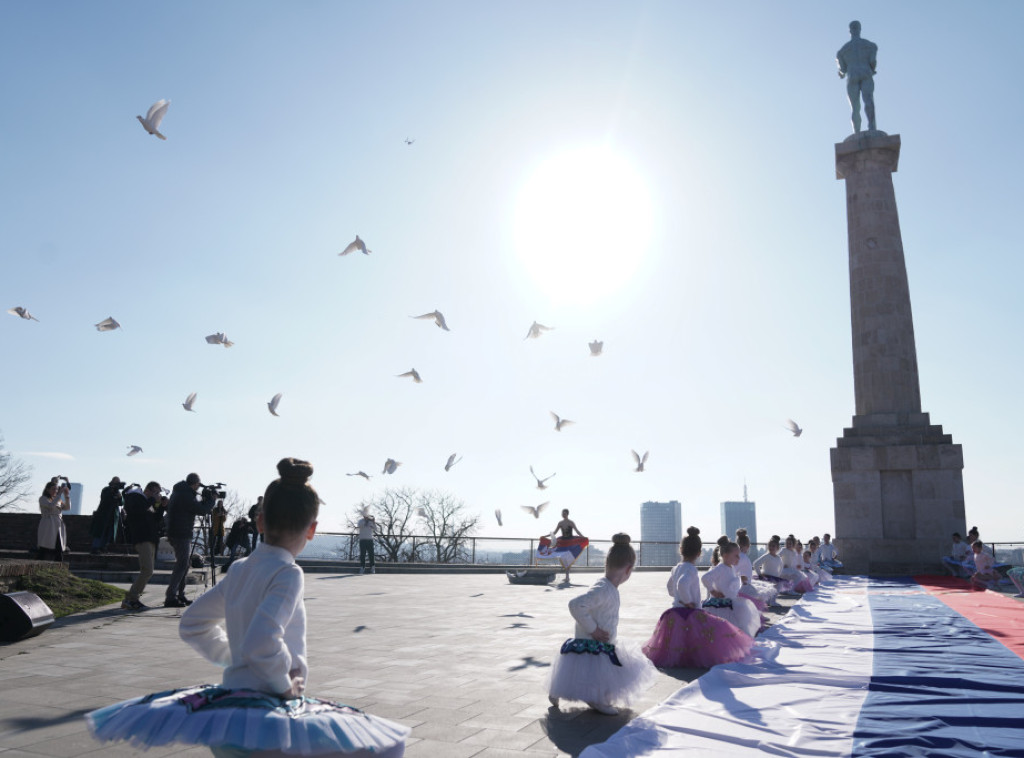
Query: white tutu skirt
[[593, 677], [758, 591], [738, 611], [215, 716]]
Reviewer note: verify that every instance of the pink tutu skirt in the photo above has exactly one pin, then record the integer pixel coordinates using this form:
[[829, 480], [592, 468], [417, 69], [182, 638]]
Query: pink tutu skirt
[[692, 638]]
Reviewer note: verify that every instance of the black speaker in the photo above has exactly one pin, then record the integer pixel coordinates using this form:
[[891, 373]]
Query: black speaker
[[23, 614]]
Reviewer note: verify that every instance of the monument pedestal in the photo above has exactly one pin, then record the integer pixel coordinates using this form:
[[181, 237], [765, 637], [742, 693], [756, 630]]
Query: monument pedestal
[[897, 479]]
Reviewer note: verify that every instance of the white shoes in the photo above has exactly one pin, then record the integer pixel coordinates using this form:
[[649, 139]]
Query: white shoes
[[607, 710]]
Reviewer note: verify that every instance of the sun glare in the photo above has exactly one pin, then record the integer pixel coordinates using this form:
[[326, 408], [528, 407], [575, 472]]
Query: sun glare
[[583, 224]]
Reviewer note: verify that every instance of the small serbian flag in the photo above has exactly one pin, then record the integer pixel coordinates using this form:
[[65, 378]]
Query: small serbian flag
[[564, 550]]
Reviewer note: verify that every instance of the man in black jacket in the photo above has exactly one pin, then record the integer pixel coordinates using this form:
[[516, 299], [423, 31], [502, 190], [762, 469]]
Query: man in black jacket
[[141, 515], [182, 510]]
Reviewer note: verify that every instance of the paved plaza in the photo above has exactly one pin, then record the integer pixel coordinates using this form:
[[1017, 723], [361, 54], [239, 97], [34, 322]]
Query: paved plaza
[[461, 658]]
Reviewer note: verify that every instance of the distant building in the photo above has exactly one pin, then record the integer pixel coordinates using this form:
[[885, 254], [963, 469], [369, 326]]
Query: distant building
[[660, 522], [740, 515], [76, 498]]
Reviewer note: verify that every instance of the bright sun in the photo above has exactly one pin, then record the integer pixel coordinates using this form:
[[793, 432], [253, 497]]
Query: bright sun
[[583, 224]]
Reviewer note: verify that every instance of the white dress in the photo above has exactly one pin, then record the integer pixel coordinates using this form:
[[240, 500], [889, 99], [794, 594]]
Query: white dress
[[791, 563], [612, 673], [253, 624], [763, 592], [740, 611]]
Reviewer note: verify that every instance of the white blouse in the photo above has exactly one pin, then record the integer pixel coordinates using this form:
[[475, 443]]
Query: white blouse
[[743, 568], [769, 565], [686, 591], [597, 607], [253, 622], [722, 578]]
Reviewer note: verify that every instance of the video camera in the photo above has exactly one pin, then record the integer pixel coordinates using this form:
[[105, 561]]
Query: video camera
[[215, 491]]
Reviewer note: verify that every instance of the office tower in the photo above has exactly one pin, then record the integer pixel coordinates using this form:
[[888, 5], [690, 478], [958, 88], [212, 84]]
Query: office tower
[[660, 523], [739, 515]]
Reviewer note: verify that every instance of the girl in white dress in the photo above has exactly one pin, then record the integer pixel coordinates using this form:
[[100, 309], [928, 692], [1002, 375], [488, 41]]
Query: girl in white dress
[[253, 624], [595, 666], [761, 593], [723, 586], [769, 567], [791, 561]]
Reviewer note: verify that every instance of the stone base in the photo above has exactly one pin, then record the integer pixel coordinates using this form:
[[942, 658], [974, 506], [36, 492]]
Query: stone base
[[897, 483]]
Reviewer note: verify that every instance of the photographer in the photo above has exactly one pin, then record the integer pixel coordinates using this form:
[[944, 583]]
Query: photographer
[[141, 515], [103, 527], [182, 510]]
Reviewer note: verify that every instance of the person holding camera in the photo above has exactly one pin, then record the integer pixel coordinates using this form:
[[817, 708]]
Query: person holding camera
[[53, 534], [141, 515], [182, 510], [103, 527]]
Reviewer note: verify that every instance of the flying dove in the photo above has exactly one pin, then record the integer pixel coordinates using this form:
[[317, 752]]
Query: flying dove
[[356, 244], [272, 405], [390, 466], [559, 421], [451, 461], [408, 141], [794, 427], [438, 319], [640, 461], [219, 339], [497, 515], [107, 325], [413, 373], [189, 402], [535, 511], [156, 113], [540, 482], [536, 330], [595, 348], [362, 474], [23, 312], [134, 450]]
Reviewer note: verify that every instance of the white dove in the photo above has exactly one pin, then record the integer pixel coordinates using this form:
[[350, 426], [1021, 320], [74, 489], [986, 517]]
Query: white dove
[[390, 466], [272, 405], [535, 511], [497, 515], [640, 461], [219, 339], [356, 244], [559, 421], [536, 330], [595, 348], [156, 113], [362, 474], [134, 450], [23, 312], [189, 402], [451, 461], [794, 427], [408, 141], [540, 482], [413, 373], [107, 325], [438, 319]]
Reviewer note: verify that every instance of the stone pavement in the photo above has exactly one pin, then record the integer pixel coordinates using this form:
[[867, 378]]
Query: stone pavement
[[461, 658]]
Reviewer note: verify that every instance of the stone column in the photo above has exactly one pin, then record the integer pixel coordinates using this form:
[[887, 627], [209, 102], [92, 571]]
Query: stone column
[[897, 479]]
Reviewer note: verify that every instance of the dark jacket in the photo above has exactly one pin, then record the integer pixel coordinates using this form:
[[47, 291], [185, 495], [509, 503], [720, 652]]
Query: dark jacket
[[105, 514], [140, 518], [182, 510]]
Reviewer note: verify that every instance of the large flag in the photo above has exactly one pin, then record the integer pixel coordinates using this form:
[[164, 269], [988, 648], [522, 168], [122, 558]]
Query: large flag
[[861, 667], [566, 551]]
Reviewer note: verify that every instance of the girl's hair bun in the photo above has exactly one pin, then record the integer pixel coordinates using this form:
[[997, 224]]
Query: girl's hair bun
[[741, 532], [294, 471], [776, 538], [620, 539], [692, 531], [723, 540]]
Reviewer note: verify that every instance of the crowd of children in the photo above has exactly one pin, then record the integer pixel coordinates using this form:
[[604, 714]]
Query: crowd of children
[[969, 560]]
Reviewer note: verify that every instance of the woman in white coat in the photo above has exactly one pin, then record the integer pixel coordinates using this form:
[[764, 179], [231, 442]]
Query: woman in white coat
[[53, 534]]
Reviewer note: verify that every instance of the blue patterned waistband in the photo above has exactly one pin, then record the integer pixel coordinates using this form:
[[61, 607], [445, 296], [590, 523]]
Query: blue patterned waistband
[[580, 646], [717, 602]]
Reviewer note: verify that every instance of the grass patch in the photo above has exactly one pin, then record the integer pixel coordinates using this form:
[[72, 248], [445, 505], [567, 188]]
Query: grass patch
[[64, 592]]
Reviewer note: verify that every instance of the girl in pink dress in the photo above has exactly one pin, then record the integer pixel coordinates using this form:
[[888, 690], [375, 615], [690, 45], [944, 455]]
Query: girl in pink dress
[[687, 636]]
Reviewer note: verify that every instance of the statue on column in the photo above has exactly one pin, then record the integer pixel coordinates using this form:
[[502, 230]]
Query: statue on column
[[856, 61]]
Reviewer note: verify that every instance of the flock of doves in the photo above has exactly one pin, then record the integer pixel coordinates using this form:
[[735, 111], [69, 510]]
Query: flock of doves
[[151, 123]]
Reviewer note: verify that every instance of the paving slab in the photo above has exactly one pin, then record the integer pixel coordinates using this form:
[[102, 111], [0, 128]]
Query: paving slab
[[460, 658]]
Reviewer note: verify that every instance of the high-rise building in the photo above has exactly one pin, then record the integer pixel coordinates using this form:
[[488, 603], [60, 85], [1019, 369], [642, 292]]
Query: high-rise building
[[76, 498], [739, 515], [660, 523]]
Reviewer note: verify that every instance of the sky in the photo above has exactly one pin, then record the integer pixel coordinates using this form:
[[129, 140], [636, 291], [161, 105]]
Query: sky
[[655, 175]]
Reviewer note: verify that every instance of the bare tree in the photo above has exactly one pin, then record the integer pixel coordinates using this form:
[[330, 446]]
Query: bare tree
[[448, 526], [14, 478], [236, 505], [393, 512]]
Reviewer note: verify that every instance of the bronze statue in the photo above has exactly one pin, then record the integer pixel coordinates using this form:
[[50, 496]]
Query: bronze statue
[[856, 61]]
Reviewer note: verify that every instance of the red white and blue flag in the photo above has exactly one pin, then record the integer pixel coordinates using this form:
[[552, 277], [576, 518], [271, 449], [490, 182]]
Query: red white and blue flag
[[566, 551]]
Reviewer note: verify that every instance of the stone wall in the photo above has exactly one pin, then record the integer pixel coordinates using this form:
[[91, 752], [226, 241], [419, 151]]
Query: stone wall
[[19, 531]]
